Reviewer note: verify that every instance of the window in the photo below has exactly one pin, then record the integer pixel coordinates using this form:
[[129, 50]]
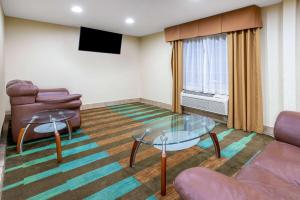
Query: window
[[205, 66]]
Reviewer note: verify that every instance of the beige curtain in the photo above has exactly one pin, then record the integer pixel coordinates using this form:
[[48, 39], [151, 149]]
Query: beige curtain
[[177, 75], [245, 95]]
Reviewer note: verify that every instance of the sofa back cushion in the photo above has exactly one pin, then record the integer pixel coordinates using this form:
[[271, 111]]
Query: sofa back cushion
[[287, 128], [282, 160]]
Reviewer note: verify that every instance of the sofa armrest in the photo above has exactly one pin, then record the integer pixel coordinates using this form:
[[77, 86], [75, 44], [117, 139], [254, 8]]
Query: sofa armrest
[[203, 184], [287, 128], [21, 89], [57, 99]]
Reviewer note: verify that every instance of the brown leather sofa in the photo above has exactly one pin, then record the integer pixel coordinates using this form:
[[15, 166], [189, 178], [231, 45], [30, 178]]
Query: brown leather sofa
[[273, 174], [26, 99]]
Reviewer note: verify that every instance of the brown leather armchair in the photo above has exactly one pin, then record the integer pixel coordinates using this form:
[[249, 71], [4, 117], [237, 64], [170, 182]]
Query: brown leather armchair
[[273, 174], [26, 99]]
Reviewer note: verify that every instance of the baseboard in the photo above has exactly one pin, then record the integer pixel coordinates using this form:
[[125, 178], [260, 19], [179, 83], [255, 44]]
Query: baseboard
[[110, 103], [3, 143], [156, 103], [269, 131]]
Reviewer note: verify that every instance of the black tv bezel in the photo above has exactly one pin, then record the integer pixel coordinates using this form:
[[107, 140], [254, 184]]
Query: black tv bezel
[[118, 51]]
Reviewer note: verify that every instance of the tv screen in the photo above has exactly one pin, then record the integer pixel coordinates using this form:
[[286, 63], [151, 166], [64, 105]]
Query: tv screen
[[99, 41]]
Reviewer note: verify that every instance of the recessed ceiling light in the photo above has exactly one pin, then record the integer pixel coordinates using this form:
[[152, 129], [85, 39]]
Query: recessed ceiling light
[[76, 9], [129, 20]]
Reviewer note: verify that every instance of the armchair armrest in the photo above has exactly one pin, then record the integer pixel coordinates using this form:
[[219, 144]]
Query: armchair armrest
[[12, 82], [287, 128], [21, 89], [57, 99], [203, 184]]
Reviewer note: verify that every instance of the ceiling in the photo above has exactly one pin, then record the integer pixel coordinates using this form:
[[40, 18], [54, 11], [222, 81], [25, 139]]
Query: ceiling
[[150, 15]]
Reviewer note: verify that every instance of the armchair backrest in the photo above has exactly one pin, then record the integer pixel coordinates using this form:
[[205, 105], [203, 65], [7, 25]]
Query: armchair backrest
[[287, 128], [21, 92]]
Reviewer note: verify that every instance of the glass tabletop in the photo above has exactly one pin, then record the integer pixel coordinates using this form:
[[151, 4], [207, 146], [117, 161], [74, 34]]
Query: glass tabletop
[[49, 116], [177, 132]]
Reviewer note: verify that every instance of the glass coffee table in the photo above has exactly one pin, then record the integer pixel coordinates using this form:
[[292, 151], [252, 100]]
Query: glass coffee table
[[173, 134], [45, 122]]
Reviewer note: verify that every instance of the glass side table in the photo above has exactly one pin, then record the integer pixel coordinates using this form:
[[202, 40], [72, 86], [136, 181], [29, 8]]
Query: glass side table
[[45, 122], [181, 132]]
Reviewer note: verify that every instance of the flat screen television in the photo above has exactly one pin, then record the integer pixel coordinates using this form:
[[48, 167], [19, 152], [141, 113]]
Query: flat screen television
[[99, 41]]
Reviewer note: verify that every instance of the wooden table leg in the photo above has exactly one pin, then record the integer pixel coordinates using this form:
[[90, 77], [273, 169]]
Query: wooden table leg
[[216, 144], [163, 180], [58, 147], [134, 149]]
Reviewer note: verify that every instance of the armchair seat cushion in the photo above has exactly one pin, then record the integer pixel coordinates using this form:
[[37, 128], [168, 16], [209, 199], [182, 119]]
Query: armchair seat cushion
[[201, 183], [54, 99], [281, 159], [264, 181], [53, 92]]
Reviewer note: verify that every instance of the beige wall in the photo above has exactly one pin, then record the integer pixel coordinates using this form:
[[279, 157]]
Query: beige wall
[[2, 70], [156, 77], [47, 55]]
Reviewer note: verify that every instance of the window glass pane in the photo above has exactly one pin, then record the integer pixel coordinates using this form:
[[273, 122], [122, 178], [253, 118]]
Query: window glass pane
[[205, 64]]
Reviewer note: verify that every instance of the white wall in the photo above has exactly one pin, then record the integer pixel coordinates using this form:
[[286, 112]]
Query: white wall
[[298, 55], [48, 55], [156, 76], [2, 70], [271, 63], [276, 73]]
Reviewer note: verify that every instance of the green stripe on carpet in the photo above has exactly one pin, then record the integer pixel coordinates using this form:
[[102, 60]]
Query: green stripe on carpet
[[60, 169], [207, 143], [46, 139], [79, 181], [50, 146], [236, 147], [65, 153], [116, 190]]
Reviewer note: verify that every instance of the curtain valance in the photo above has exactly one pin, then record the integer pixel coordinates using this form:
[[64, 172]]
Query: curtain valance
[[241, 19]]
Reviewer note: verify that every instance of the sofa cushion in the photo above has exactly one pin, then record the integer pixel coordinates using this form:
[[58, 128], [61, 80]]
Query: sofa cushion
[[266, 182], [54, 99], [53, 92], [201, 183], [281, 159]]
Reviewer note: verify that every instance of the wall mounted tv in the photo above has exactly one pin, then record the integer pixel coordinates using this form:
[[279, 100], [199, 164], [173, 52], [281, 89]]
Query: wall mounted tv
[[99, 41]]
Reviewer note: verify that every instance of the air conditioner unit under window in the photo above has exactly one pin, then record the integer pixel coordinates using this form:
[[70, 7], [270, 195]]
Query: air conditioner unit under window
[[211, 103]]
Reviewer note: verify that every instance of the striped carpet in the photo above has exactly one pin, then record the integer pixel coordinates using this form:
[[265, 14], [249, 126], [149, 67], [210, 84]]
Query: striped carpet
[[95, 161]]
